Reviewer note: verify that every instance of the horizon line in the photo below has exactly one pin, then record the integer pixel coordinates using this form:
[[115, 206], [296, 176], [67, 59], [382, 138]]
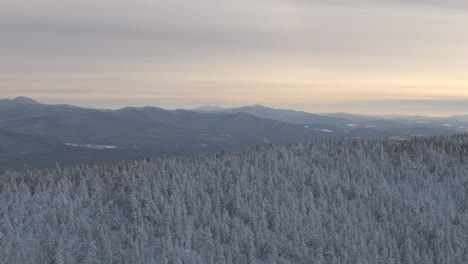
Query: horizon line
[[220, 106]]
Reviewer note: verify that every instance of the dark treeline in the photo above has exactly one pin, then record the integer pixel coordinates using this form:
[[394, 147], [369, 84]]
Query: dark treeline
[[337, 201]]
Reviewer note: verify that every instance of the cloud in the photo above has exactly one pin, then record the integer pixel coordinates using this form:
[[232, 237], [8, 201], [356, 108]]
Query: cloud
[[262, 50], [432, 3]]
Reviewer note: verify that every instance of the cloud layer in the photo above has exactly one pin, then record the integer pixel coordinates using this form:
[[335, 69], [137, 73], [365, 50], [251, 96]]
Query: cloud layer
[[182, 53]]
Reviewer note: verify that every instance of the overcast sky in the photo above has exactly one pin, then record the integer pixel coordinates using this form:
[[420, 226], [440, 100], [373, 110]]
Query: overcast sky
[[378, 57]]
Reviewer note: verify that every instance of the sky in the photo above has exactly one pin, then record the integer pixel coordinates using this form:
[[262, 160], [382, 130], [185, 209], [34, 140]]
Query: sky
[[358, 56]]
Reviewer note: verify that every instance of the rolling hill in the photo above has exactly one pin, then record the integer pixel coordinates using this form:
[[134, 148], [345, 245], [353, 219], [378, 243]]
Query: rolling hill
[[147, 131]]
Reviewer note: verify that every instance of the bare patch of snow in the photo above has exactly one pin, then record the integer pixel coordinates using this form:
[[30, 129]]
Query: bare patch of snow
[[324, 130], [91, 146]]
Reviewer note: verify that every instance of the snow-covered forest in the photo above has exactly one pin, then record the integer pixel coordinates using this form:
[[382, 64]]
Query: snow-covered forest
[[336, 201]]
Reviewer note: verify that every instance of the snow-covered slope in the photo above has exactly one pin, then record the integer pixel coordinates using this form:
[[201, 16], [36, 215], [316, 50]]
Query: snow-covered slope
[[343, 201]]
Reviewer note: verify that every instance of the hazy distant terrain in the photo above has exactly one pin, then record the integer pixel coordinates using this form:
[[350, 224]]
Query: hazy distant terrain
[[389, 125], [333, 201], [71, 135], [19, 151]]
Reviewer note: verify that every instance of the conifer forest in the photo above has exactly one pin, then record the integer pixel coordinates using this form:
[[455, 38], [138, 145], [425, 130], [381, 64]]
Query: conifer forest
[[349, 201]]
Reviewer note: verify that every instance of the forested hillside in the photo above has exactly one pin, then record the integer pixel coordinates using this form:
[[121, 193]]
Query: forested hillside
[[38, 135], [334, 201]]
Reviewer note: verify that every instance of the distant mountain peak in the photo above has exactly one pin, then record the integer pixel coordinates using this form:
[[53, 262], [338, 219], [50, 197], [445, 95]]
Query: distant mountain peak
[[24, 100], [210, 108], [258, 106]]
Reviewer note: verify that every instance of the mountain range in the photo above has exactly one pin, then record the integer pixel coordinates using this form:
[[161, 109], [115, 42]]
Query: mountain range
[[40, 135]]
